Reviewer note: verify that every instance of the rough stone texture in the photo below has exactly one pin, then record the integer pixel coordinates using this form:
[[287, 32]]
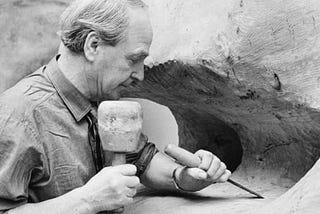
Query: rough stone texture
[[272, 131], [265, 55], [249, 67], [28, 36], [303, 198]]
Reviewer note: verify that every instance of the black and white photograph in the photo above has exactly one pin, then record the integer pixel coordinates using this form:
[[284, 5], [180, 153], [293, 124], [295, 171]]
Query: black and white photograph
[[159, 107]]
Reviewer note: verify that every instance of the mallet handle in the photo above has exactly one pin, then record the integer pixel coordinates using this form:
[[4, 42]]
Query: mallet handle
[[118, 158]]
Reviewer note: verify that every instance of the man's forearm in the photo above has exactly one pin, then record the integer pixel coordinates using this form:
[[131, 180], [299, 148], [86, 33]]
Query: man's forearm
[[71, 202], [158, 174]]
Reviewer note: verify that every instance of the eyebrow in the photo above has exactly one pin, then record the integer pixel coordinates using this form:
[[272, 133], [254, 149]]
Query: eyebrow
[[138, 54]]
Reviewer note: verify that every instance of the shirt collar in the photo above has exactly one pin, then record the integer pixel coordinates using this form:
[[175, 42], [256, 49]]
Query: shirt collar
[[75, 101]]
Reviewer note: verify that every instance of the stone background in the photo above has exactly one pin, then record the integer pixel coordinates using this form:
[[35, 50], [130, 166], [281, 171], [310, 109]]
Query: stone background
[[255, 37], [246, 41]]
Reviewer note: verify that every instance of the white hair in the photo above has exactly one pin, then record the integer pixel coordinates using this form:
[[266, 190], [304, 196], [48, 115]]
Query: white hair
[[108, 18]]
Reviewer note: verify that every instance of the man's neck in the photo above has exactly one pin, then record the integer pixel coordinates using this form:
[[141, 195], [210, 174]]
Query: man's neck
[[73, 67]]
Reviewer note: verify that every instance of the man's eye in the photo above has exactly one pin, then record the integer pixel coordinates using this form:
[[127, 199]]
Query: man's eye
[[131, 61], [134, 61]]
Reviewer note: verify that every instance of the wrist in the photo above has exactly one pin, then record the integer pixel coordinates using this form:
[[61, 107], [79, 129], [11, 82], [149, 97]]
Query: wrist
[[81, 201], [176, 178]]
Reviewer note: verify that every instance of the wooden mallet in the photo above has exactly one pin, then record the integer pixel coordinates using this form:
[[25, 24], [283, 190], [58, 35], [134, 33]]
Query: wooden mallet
[[120, 125]]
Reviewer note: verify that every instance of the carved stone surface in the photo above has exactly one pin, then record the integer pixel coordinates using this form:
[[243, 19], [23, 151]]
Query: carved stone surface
[[209, 112], [303, 198], [246, 82]]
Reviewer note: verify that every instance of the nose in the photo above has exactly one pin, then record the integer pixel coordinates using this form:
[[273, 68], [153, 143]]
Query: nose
[[138, 73]]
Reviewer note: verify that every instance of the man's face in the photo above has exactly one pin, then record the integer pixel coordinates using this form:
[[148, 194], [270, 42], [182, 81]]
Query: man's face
[[117, 67]]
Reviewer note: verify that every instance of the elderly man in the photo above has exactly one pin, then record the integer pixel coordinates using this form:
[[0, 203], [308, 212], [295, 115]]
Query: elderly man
[[50, 158]]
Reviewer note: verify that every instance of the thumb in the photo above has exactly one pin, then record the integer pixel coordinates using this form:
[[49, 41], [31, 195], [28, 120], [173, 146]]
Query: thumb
[[197, 173], [126, 169]]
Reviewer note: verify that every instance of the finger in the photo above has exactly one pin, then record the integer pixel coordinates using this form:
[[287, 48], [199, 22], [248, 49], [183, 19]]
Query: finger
[[215, 165], [126, 169], [197, 173], [220, 171], [123, 202], [206, 158], [132, 181], [224, 177], [129, 200], [131, 192]]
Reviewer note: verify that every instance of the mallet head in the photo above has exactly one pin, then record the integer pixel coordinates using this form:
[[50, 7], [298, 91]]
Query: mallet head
[[120, 125]]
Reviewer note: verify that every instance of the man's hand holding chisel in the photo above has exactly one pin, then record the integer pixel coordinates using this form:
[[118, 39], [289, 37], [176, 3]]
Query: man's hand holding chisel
[[202, 168], [202, 165]]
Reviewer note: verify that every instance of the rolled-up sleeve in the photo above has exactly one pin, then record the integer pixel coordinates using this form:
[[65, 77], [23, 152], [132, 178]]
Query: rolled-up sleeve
[[20, 157], [143, 156]]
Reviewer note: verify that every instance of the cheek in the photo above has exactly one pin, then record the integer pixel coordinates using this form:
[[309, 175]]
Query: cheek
[[124, 70], [120, 65], [116, 74]]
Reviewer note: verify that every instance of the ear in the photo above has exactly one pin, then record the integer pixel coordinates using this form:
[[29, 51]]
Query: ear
[[91, 45]]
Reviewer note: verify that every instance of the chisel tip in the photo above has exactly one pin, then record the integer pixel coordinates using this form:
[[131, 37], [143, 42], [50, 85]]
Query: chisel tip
[[245, 188]]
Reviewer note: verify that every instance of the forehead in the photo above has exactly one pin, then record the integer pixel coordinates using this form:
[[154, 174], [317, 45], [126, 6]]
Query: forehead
[[139, 31]]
